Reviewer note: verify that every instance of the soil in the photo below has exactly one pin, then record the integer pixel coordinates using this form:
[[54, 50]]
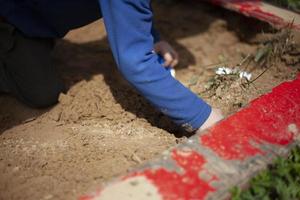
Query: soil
[[102, 127]]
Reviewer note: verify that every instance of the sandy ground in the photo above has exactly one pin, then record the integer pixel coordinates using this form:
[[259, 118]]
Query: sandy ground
[[101, 128]]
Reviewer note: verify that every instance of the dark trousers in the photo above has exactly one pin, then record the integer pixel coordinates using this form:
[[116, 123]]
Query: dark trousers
[[26, 71]]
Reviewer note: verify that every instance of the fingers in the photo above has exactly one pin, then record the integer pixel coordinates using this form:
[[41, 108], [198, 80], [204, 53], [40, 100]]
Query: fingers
[[171, 59], [169, 54], [168, 59], [175, 59]]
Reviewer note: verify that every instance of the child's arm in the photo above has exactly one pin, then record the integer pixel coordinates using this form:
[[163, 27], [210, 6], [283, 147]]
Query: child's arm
[[129, 26], [155, 34]]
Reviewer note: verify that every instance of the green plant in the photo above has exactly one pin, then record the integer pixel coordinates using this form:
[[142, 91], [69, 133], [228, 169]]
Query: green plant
[[291, 4], [280, 181]]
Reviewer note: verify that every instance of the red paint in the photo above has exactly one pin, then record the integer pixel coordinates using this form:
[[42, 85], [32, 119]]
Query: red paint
[[264, 121], [181, 186], [91, 196], [254, 8]]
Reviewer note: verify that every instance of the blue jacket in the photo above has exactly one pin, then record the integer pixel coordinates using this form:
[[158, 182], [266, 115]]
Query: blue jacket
[[131, 35]]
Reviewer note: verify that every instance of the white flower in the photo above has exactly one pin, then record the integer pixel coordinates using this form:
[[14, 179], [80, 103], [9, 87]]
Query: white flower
[[245, 75], [227, 71], [224, 71]]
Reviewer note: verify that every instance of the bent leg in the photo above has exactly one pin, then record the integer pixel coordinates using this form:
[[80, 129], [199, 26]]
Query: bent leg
[[27, 72]]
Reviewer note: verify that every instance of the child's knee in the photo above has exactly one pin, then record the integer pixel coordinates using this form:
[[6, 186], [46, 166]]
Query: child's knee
[[43, 97]]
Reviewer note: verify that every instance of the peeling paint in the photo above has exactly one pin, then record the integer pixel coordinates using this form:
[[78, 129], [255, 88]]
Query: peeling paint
[[266, 120], [185, 186]]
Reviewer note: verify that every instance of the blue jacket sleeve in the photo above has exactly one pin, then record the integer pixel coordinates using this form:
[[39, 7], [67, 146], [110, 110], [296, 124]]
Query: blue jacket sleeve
[[129, 27], [155, 34]]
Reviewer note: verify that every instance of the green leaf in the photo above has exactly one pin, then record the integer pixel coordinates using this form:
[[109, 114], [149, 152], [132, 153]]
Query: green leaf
[[281, 181]]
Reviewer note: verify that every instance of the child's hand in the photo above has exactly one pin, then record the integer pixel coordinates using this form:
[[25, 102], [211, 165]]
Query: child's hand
[[170, 56], [214, 117]]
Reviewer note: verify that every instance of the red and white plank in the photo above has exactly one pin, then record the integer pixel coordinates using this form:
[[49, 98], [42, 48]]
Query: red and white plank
[[275, 16]]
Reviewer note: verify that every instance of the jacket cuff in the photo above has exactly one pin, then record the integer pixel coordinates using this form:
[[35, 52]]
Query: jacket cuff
[[199, 120]]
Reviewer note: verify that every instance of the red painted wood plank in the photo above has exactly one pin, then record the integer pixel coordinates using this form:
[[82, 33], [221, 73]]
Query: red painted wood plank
[[276, 16]]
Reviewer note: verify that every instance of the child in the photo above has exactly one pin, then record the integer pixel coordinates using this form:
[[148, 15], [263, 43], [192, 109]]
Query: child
[[26, 41]]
